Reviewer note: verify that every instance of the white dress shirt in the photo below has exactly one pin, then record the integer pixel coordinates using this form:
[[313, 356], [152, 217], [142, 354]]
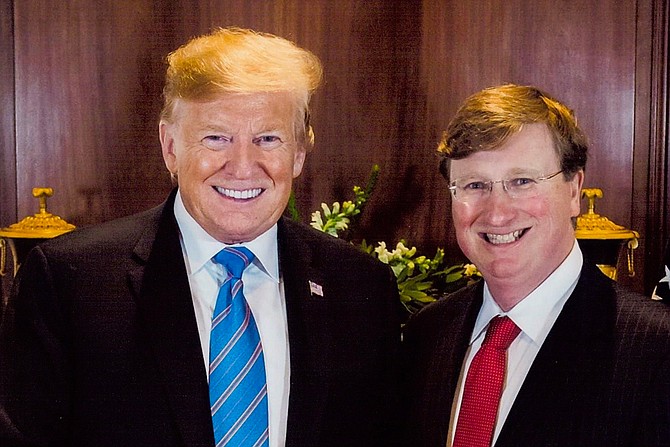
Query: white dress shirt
[[263, 289], [534, 315]]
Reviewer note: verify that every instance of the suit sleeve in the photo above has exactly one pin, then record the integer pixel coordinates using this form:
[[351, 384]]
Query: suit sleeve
[[34, 360], [653, 427]]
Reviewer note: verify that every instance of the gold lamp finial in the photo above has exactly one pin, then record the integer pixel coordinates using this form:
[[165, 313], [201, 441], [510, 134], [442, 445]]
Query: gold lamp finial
[[41, 225], [592, 194], [27, 232], [599, 232], [42, 194]]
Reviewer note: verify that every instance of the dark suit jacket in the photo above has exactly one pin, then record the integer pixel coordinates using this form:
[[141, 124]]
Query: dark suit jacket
[[600, 378], [101, 348]]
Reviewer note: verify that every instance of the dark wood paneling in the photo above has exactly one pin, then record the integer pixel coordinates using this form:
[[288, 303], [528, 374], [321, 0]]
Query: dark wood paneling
[[7, 140], [650, 183], [581, 52], [366, 111], [88, 91], [88, 83], [7, 154]]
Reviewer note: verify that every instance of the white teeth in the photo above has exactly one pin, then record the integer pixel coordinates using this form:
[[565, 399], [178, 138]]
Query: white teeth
[[240, 194], [503, 238]]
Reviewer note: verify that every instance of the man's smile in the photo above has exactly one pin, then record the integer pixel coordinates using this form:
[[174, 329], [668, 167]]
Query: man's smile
[[239, 194], [497, 239]]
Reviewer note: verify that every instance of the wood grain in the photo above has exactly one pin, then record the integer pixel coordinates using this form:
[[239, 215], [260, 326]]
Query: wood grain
[[81, 96]]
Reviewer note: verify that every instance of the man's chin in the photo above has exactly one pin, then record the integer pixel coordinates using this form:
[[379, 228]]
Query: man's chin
[[236, 233]]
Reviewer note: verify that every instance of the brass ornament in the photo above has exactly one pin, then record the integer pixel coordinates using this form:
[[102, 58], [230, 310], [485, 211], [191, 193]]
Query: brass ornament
[[42, 225], [592, 227]]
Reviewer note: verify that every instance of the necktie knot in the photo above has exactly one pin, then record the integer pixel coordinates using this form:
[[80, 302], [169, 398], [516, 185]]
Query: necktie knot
[[234, 259], [501, 333]]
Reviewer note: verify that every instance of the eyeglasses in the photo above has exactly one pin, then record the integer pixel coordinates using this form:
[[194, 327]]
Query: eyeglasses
[[473, 191]]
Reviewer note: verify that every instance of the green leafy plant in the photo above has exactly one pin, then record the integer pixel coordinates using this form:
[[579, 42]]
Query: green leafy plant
[[338, 217], [421, 280]]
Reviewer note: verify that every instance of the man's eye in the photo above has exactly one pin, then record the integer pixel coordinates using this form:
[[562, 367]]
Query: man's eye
[[268, 141], [474, 186], [215, 142], [521, 182]]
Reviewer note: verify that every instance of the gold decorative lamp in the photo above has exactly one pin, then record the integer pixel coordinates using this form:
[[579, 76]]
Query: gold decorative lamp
[[602, 240], [20, 237]]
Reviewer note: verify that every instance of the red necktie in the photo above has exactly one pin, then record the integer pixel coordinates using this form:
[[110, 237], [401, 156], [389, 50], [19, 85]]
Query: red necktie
[[483, 386]]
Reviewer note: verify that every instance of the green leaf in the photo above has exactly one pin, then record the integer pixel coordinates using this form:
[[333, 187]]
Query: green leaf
[[453, 277], [419, 278], [292, 208]]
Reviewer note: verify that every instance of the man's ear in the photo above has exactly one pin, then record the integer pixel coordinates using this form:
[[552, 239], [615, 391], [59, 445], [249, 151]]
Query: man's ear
[[299, 160], [576, 192], [166, 133]]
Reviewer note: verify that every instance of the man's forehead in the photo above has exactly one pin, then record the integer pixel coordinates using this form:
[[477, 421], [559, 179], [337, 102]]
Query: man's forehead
[[532, 149], [497, 168], [232, 106]]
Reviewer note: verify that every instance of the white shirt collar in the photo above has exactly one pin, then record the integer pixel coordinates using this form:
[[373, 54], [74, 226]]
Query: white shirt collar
[[199, 246], [537, 312]]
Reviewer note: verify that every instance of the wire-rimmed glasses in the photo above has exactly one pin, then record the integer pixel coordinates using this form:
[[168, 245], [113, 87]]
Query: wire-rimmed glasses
[[472, 191]]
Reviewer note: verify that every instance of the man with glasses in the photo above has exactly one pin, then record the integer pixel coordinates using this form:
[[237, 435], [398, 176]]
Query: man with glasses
[[546, 350]]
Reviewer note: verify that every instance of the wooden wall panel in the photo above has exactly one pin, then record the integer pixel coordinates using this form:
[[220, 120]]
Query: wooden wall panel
[[364, 112], [597, 57], [581, 52], [88, 82], [651, 202], [7, 140], [88, 86]]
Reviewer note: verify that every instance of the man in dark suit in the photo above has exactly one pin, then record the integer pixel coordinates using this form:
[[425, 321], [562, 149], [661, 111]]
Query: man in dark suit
[[587, 361], [107, 338]]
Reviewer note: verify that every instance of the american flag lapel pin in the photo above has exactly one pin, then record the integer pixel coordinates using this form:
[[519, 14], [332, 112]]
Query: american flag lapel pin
[[315, 289]]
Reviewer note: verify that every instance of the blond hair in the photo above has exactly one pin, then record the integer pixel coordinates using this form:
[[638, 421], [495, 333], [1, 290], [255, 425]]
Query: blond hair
[[236, 60], [487, 118]]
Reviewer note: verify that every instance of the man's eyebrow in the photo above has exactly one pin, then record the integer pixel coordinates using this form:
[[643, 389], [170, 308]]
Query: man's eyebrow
[[531, 172], [212, 127]]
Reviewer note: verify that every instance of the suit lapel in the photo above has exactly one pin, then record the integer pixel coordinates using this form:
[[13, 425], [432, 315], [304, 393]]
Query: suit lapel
[[168, 325], [308, 344], [435, 343], [566, 369], [452, 349]]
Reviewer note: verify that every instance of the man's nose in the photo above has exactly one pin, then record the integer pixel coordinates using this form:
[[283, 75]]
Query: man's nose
[[241, 158], [498, 191], [498, 203], [502, 187]]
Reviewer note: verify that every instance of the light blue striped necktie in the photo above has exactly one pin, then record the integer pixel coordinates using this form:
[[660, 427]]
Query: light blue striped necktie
[[237, 385]]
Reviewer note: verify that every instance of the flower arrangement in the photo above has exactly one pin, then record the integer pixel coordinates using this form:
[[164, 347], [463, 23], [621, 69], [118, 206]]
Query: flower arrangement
[[421, 280]]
